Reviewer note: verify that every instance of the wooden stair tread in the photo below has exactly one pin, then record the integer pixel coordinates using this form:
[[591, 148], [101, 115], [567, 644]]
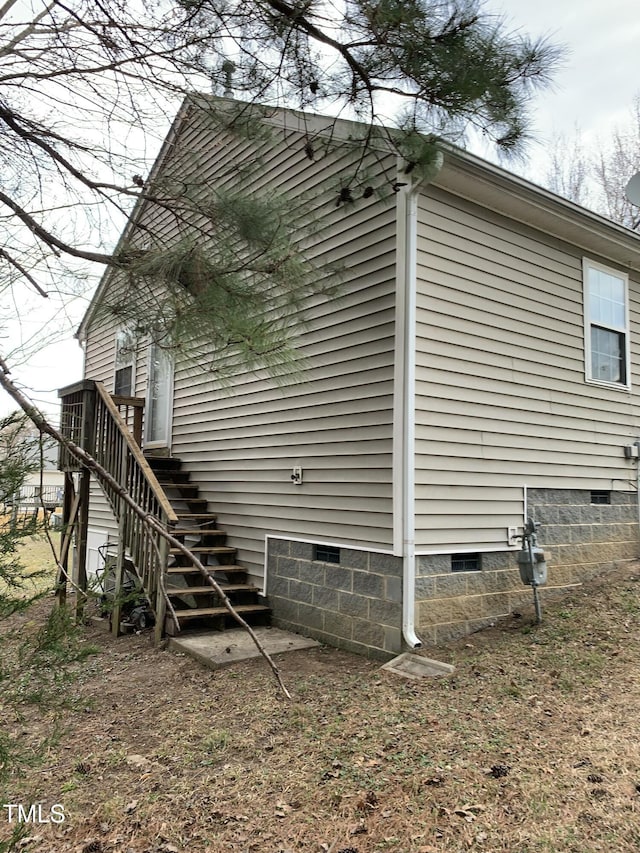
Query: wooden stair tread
[[192, 570], [197, 612], [196, 531], [201, 516], [201, 590], [172, 463], [206, 549]]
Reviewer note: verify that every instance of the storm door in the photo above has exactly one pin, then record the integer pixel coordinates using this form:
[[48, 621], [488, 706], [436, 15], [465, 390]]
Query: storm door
[[159, 402]]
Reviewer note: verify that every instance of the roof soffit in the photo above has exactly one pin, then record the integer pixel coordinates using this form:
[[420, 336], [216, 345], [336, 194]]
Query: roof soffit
[[504, 193]]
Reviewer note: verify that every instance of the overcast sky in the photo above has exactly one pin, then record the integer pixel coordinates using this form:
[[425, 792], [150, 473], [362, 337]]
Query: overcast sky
[[595, 87], [593, 91]]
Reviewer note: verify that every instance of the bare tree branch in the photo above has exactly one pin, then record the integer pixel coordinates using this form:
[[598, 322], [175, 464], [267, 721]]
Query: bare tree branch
[[90, 464], [50, 239], [23, 272]]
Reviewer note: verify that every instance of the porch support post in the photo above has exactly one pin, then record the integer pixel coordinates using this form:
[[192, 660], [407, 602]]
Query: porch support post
[[67, 503], [81, 541], [87, 442]]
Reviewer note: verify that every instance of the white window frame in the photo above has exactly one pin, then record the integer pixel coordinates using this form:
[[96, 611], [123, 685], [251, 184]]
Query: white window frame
[[587, 266], [131, 356]]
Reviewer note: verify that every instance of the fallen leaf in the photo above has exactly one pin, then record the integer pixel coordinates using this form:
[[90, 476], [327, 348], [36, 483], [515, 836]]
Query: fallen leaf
[[29, 839], [358, 829], [137, 760]]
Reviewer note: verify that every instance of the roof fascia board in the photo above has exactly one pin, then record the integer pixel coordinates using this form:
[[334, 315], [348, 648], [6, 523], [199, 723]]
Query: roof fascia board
[[492, 187]]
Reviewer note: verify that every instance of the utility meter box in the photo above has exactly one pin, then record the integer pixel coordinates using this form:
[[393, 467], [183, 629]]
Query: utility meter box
[[533, 566]]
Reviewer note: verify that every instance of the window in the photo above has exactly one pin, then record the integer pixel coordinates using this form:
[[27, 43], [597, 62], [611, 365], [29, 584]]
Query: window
[[123, 382], [466, 563], [606, 325], [326, 554], [600, 496]]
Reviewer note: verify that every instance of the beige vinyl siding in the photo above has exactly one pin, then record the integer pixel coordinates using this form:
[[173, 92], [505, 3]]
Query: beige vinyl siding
[[335, 420], [501, 397], [100, 351], [100, 365]]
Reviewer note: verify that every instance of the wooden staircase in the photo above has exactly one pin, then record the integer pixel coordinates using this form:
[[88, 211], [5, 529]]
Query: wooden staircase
[[196, 605]]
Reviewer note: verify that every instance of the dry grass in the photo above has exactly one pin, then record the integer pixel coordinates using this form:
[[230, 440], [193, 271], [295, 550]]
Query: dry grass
[[531, 745], [34, 554]]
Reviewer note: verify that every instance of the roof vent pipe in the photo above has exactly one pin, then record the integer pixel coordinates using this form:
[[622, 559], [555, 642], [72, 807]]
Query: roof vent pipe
[[228, 67]]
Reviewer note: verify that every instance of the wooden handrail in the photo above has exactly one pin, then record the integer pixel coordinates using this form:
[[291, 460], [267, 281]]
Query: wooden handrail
[[91, 418], [137, 454], [135, 403], [121, 400]]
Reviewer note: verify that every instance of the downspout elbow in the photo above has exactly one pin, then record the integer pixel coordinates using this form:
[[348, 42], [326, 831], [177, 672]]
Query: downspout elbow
[[408, 604]]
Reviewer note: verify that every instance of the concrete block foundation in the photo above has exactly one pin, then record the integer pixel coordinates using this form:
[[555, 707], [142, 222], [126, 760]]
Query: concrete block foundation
[[355, 604], [581, 539]]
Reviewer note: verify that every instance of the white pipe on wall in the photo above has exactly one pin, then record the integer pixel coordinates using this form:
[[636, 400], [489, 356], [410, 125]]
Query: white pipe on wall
[[409, 500], [404, 404]]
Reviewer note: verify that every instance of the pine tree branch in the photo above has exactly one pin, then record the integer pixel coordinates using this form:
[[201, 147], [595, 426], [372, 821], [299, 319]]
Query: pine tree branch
[[298, 20]]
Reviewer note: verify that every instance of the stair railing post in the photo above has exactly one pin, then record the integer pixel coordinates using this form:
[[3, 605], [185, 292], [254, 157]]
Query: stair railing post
[[137, 425], [161, 604]]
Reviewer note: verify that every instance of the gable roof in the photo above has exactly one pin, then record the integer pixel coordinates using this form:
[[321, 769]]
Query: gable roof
[[462, 174]]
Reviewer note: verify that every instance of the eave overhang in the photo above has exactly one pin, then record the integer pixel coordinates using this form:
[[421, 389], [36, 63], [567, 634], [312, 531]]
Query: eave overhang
[[494, 188]]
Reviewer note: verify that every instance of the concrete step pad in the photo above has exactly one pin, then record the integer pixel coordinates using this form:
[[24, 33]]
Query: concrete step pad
[[216, 649]]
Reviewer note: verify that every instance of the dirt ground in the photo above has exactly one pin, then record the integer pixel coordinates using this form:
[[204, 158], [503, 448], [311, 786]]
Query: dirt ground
[[531, 745]]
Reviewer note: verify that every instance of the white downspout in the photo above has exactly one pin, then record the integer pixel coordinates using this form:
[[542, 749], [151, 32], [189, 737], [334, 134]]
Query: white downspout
[[404, 466], [409, 422], [404, 403]]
